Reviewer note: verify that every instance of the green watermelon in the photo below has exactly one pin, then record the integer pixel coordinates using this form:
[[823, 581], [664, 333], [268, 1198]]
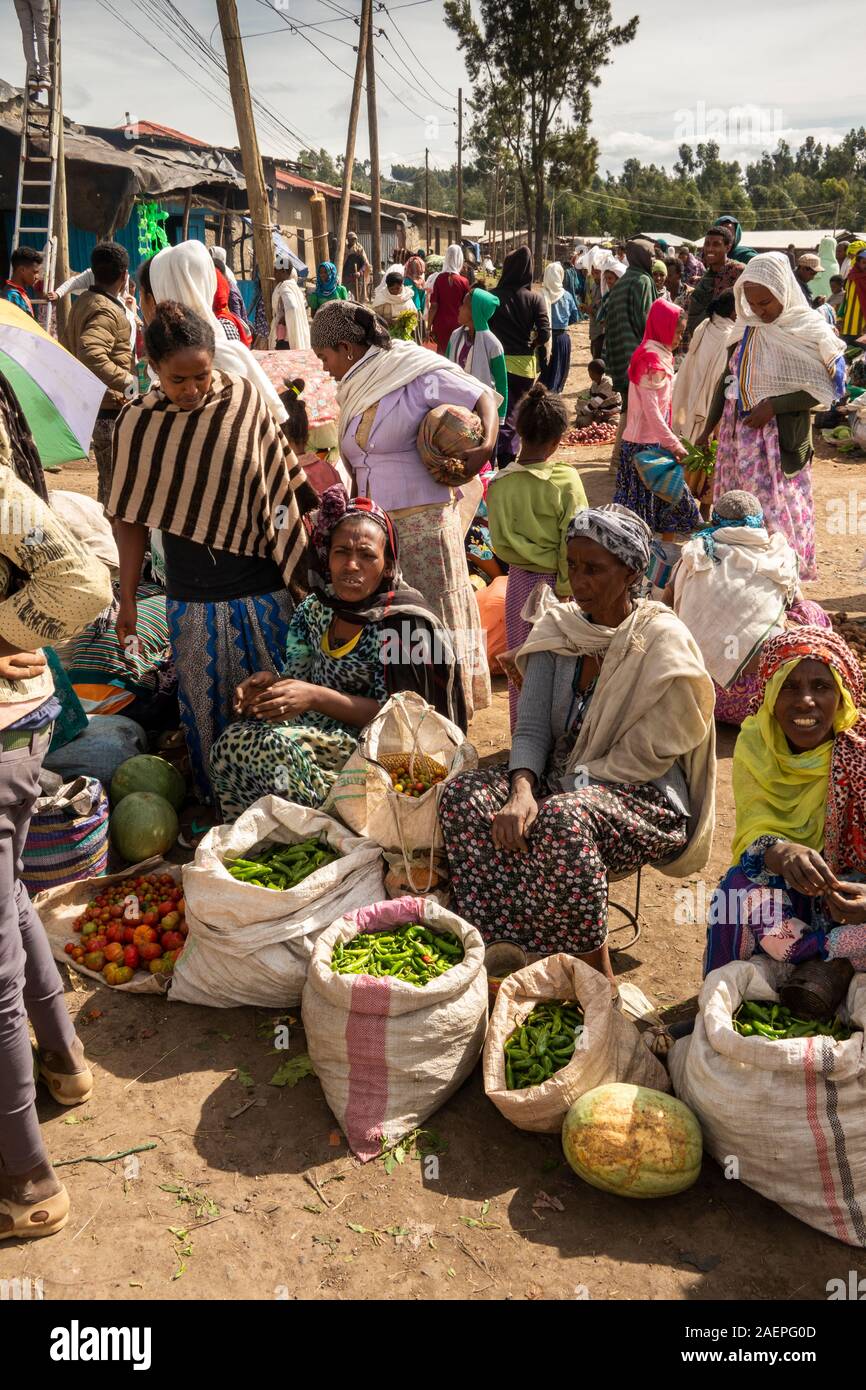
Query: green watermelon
[[633, 1141], [146, 773], [143, 824]]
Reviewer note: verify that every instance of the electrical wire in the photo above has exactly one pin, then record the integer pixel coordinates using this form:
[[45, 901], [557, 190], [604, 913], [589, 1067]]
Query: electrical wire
[[383, 9]]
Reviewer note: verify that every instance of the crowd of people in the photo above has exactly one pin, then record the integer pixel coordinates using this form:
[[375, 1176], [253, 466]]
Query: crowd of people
[[631, 627]]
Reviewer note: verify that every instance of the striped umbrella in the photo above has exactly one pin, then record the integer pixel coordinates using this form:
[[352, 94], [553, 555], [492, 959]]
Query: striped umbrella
[[58, 396]]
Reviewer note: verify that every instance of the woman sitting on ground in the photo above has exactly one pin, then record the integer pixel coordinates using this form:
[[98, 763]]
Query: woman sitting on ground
[[612, 762], [796, 888], [359, 636], [734, 587]]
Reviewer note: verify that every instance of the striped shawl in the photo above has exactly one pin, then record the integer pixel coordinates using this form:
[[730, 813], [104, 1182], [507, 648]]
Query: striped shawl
[[221, 475]]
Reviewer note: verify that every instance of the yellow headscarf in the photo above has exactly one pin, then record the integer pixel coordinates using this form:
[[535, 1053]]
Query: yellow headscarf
[[777, 792]]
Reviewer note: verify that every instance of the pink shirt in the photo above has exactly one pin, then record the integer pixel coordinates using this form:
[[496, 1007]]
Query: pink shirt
[[649, 412]]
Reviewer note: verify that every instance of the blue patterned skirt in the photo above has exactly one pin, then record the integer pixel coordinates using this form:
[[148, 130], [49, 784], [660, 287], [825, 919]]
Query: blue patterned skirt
[[659, 515], [215, 647]]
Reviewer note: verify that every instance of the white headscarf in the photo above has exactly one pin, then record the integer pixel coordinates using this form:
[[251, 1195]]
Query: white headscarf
[[453, 262], [797, 352], [617, 267], [187, 274], [290, 307], [552, 286], [219, 255]]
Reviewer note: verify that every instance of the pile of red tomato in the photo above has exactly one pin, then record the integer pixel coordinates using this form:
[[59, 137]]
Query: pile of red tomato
[[137, 924], [602, 433]]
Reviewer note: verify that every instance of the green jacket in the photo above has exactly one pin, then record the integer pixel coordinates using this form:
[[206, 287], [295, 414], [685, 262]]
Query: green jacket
[[623, 313], [529, 510], [486, 360]]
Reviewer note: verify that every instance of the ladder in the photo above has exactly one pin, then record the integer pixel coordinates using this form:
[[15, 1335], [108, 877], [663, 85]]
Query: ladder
[[37, 167]]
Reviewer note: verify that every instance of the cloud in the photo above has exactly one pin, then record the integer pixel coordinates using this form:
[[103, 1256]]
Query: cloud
[[738, 142]]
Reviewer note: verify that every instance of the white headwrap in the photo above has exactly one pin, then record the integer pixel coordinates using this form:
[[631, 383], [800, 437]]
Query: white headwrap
[[797, 352], [186, 273], [552, 285], [618, 268], [453, 262], [290, 307]]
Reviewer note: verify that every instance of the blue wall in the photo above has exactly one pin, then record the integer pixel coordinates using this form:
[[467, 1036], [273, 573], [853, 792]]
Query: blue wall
[[82, 243]]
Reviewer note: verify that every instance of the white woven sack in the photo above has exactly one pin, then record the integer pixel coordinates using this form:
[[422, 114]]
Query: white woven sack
[[387, 1053], [362, 794], [609, 1047], [252, 945], [786, 1118]]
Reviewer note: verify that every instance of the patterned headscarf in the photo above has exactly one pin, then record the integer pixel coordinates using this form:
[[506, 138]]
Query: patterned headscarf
[[620, 531], [335, 507], [816, 798], [326, 280], [342, 322], [812, 644]]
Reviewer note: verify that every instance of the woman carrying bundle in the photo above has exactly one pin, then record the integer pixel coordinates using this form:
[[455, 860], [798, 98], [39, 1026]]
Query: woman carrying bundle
[[788, 360], [361, 635], [386, 392], [612, 762], [201, 458], [796, 890]]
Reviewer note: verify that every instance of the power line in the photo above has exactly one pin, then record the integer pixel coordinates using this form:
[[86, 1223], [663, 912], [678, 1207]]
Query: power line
[[616, 203], [384, 9]]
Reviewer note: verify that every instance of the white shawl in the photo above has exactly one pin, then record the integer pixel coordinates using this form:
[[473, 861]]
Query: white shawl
[[187, 274], [381, 371], [552, 285], [799, 350], [290, 307], [732, 604], [696, 381]]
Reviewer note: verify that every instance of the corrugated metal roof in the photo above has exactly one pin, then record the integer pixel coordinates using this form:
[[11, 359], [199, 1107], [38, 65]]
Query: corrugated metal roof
[[287, 180], [138, 129]]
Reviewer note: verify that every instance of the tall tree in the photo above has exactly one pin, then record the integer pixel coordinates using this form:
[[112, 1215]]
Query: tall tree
[[533, 68]]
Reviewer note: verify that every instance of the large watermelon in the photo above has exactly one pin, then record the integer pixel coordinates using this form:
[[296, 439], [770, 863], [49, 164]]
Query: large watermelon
[[633, 1141], [143, 824], [146, 773]]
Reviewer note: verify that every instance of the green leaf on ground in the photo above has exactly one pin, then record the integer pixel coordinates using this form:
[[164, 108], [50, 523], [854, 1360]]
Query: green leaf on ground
[[293, 1070]]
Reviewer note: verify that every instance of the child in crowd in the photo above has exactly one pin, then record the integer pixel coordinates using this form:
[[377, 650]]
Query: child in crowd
[[601, 404], [531, 505], [474, 348], [26, 270], [837, 291], [660, 277]]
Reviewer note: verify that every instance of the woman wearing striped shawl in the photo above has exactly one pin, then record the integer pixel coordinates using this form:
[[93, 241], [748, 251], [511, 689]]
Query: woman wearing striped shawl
[[202, 460]]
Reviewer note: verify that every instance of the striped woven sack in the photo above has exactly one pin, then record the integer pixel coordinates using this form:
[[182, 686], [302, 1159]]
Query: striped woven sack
[[660, 472], [786, 1118], [68, 836], [387, 1054]]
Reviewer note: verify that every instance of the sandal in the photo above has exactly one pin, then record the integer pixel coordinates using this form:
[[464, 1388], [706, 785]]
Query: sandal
[[68, 1088], [31, 1220]]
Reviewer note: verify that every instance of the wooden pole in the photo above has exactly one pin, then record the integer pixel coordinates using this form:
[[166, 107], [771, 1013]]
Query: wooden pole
[[319, 220], [61, 221], [373, 130], [349, 158], [187, 205], [459, 163], [427, 199], [251, 159]]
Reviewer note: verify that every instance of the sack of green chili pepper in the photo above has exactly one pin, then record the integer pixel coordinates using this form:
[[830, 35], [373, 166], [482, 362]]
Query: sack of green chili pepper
[[554, 1034], [259, 892], [390, 1047], [786, 1116]]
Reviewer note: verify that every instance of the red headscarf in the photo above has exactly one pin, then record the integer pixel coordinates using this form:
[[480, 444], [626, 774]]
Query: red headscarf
[[222, 310], [845, 819], [661, 325]]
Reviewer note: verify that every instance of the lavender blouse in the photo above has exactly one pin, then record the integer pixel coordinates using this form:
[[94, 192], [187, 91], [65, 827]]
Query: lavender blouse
[[390, 470]]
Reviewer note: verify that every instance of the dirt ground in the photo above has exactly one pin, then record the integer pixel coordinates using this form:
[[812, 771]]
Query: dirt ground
[[250, 1191]]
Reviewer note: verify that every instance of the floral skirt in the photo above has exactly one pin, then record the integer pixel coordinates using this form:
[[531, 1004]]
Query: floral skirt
[[553, 898], [750, 459], [631, 492], [433, 561], [755, 912], [298, 761]]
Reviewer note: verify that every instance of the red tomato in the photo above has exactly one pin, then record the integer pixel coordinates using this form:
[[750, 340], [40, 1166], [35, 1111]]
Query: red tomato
[[150, 951], [165, 908], [115, 932], [180, 905], [94, 960], [171, 941], [128, 935], [116, 910], [69, 947], [99, 942], [144, 936], [150, 919], [131, 957], [114, 952]]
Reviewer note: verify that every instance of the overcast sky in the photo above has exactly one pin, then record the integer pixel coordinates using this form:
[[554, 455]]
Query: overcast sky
[[744, 75]]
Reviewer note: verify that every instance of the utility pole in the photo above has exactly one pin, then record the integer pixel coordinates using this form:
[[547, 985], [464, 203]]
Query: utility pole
[[459, 163], [427, 198], [61, 224], [373, 128], [251, 159], [349, 161]]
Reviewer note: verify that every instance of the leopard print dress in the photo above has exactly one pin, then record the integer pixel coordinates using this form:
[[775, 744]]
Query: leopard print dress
[[299, 760]]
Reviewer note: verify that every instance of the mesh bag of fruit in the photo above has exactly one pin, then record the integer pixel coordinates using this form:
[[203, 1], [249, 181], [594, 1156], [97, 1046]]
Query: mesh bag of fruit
[[389, 789]]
